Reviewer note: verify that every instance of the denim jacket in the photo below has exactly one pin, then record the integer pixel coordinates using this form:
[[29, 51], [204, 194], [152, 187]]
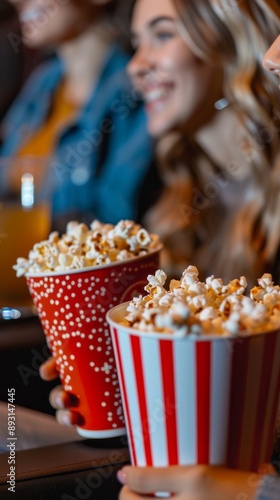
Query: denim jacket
[[104, 157]]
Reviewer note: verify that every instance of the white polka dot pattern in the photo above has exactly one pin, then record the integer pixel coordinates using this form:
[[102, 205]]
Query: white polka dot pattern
[[72, 308]]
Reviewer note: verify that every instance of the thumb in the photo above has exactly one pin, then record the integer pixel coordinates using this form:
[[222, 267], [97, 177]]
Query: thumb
[[148, 479]]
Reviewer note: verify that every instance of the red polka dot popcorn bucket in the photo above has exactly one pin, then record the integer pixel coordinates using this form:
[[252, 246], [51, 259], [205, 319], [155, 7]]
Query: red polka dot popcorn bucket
[[72, 306]]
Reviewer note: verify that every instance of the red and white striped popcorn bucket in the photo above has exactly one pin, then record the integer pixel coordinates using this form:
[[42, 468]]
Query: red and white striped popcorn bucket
[[72, 308], [197, 400]]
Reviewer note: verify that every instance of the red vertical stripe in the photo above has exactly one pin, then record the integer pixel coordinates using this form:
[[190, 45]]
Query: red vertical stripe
[[203, 370], [124, 396], [138, 364], [265, 379], [170, 405], [237, 399]]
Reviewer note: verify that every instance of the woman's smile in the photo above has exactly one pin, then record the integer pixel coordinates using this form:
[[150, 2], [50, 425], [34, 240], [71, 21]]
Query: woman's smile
[[164, 69]]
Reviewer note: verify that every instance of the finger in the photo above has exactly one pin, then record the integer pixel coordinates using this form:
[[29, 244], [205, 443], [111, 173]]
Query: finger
[[48, 370], [67, 417], [60, 399], [151, 479]]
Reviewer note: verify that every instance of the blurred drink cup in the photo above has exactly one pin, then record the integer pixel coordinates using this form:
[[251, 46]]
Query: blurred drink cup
[[197, 399], [24, 220]]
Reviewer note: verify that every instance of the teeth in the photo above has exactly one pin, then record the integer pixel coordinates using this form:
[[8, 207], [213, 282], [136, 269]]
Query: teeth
[[30, 15], [153, 95]]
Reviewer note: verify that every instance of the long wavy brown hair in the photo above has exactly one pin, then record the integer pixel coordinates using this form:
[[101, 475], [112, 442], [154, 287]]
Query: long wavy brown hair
[[242, 236]]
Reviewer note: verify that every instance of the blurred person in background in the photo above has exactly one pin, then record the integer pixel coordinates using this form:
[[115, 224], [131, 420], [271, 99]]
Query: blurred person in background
[[78, 111]]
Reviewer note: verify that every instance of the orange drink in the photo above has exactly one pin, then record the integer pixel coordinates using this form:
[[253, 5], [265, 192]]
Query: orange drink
[[20, 229], [25, 218]]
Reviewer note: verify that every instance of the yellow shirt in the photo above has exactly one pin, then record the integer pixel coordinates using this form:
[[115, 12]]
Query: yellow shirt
[[43, 142], [38, 148]]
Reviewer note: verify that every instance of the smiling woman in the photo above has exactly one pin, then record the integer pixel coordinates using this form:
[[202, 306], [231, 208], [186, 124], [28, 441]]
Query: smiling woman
[[174, 82], [214, 112]]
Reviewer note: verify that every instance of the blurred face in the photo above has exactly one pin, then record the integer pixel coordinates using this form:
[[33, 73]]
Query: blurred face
[[49, 22], [271, 60], [173, 82]]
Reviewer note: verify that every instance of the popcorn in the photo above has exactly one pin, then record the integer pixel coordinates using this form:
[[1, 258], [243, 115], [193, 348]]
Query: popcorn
[[191, 307], [82, 246]]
